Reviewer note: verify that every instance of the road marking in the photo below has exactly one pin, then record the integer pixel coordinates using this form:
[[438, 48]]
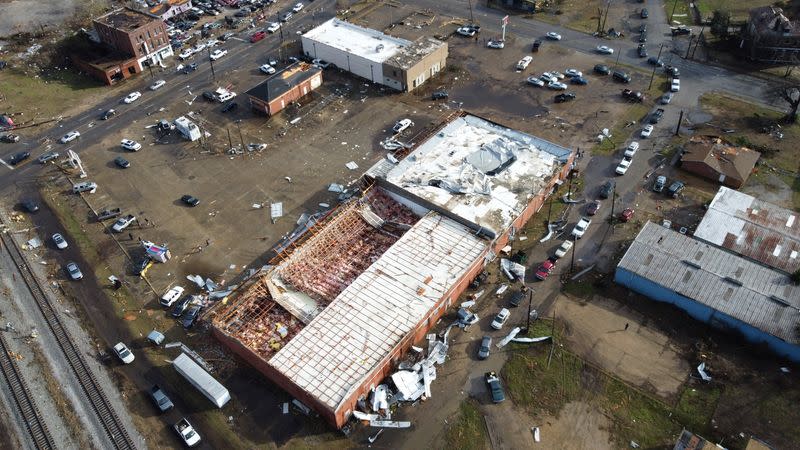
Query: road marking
[[6, 164]]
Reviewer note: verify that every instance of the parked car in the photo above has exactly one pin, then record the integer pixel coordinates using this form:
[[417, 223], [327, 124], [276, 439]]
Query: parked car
[[644, 13], [619, 75], [660, 183], [84, 186], [130, 145], [573, 73], [190, 200], [173, 294], [496, 43], [122, 162], [643, 38], [623, 166], [123, 222], [553, 36], [626, 214], [108, 114], [227, 36], [9, 138], [564, 248], [190, 316], [46, 157], [647, 131], [160, 399], [675, 86], [257, 36], [187, 432], [69, 137], [631, 149], [557, 85], [654, 61], [73, 271], [580, 227], [536, 44], [536, 81], [230, 106], [157, 85], [495, 389], [30, 206], [666, 98], [483, 349], [297, 7], [501, 318], [60, 242], [605, 50], [516, 298], [18, 157], [602, 69], [266, 68], [593, 207], [180, 306], [579, 80], [141, 266], [523, 63], [321, 63], [287, 16], [124, 353], [656, 116], [607, 188], [547, 77], [675, 188], [439, 95], [132, 97], [402, 125], [190, 68], [544, 269], [641, 50], [217, 54], [468, 30], [564, 97], [478, 280], [680, 30]]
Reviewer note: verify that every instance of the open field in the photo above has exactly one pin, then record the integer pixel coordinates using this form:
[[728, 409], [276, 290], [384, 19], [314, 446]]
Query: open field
[[738, 8], [29, 99], [469, 430]]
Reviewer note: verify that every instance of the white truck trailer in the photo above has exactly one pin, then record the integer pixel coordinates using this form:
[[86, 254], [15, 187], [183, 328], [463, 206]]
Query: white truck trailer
[[201, 380]]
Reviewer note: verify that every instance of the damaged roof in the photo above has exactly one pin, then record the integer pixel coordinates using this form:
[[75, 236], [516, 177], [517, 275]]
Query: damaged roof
[[359, 41], [479, 170], [752, 228], [126, 19], [283, 81], [357, 331], [730, 160], [759, 296], [410, 55]]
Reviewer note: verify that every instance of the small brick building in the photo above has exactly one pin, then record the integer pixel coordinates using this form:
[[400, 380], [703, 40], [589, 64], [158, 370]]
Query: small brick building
[[284, 87], [713, 158]]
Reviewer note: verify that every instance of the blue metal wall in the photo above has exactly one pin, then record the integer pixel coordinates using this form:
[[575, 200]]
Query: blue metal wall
[[705, 314]]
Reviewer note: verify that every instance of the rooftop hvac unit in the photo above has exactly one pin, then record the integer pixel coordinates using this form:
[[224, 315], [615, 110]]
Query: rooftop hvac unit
[[378, 48]]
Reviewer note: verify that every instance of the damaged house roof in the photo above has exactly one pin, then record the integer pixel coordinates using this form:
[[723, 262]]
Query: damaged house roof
[[478, 170], [283, 81], [723, 158], [752, 228]]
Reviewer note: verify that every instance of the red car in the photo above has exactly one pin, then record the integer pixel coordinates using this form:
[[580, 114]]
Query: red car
[[592, 208], [626, 214], [544, 270], [257, 36]]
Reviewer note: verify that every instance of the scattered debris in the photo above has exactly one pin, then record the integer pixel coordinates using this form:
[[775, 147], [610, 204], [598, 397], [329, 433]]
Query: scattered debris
[[374, 437], [34, 243], [196, 279], [351, 165], [508, 338], [286, 407], [503, 287], [276, 211], [785, 370], [536, 437], [514, 271], [303, 408], [531, 340], [334, 187], [389, 424], [364, 416], [701, 369]]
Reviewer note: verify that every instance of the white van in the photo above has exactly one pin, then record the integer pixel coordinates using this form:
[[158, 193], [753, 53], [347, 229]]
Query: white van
[[85, 186]]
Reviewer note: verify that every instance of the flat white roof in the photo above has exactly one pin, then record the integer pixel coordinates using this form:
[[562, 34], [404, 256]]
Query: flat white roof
[[752, 228], [334, 353], [481, 171], [364, 42]]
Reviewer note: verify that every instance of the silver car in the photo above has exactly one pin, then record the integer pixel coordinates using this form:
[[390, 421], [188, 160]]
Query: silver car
[[73, 271], [483, 350]]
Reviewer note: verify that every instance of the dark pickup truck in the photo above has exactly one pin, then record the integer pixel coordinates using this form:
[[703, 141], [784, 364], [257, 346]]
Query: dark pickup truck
[[657, 116], [108, 213], [633, 95]]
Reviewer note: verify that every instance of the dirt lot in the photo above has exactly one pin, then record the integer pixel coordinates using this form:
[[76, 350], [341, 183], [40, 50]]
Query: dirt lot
[[583, 15]]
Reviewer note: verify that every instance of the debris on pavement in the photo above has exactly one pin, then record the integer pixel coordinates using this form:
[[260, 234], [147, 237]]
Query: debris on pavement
[[514, 271], [531, 340], [351, 165], [514, 332], [536, 437], [389, 424], [701, 369], [275, 211]]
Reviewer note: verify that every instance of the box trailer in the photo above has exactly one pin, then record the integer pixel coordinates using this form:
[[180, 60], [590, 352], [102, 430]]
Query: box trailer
[[188, 129], [201, 380]]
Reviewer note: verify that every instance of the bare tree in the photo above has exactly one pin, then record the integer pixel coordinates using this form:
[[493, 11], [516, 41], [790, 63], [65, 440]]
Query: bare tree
[[790, 93]]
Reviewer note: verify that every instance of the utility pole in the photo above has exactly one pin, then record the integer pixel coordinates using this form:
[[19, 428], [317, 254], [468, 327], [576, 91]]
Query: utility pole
[[150, 66], [658, 58], [691, 38], [599, 18], [549, 210], [530, 303], [608, 5], [569, 190], [505, 22], [617, 61], [613, 203], [230, 142], [678, 128], [699, 36], [574, 249], [471, 18], [240, 132], [213, 75], [674, 5]]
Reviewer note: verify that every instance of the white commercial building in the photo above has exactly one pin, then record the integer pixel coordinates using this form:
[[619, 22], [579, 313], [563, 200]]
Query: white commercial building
[[375, 56]]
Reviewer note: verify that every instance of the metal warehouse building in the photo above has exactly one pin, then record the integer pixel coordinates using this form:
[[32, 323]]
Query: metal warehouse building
[[345, 302], [752, 228], [714, 286], [398, 63]]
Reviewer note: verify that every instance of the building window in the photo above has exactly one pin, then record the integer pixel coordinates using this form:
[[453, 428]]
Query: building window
[[394, 73], [148, 35]]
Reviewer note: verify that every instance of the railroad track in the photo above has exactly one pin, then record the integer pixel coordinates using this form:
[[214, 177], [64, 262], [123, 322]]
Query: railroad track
[[114, 428], [23, 399]]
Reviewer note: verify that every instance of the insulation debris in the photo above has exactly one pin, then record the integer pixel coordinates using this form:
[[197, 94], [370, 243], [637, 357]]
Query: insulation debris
[[364, 416], [389, 424], [508, 338], [380, 398], [275, 211], [34, 242], [196, 279], [351, 165], [701, 369], [514, 271], [531, 340], [334, 187]]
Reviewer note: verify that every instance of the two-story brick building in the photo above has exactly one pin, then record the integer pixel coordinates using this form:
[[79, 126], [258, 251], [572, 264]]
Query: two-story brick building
[[135, 33]]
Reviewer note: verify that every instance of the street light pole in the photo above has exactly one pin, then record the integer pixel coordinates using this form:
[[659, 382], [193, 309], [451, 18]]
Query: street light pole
[[574, 249], [240, 133], [674, 5], [471, 18], [530, 304]]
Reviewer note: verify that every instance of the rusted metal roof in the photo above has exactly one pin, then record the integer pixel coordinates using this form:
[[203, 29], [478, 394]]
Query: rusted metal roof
[[753, 228]]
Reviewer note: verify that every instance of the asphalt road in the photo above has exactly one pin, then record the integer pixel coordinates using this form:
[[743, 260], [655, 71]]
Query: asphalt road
[[92, 129]]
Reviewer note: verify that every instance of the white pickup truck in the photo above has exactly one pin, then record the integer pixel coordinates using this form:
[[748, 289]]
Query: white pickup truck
[[187, 433]]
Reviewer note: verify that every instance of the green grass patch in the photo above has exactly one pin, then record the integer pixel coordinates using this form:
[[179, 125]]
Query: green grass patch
[[469, 431], [539, 388], [739, 9], [619, 132], [681, 11], [582, 288], [34, 95], [696, 407]]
